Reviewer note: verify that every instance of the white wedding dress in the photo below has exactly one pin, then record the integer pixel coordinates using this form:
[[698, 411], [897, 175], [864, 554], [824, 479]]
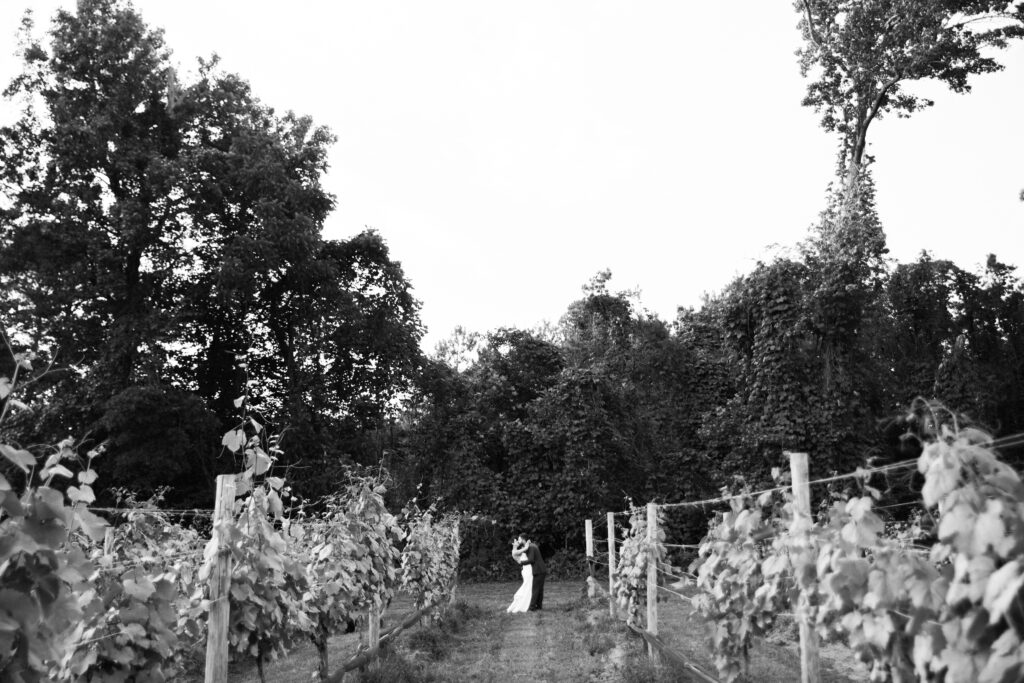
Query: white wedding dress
[[521, 600]]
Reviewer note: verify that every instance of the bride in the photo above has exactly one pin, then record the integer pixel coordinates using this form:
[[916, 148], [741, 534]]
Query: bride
[[521, 600]]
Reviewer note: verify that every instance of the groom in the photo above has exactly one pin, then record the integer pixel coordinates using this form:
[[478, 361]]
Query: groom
[[533, 558]]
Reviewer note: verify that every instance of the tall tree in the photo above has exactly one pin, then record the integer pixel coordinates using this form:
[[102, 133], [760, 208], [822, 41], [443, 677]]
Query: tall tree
[[861, 55], [167, 234]]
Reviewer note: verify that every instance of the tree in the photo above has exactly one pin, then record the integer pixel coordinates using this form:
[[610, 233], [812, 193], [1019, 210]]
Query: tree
[[139, 207], [863, 54], [805, 334], [165, 235], [920, 300]]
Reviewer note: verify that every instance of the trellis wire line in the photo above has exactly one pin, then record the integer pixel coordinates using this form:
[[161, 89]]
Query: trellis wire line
[[721, 541], [128, 566], [143, 562], [681, 545], [825, 480], [670, 575], [1010, 440], [684, 597], [897, 505], [154, 558], [692, 601]]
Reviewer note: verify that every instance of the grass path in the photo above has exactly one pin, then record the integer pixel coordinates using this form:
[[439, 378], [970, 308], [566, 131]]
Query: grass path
[[536, 646], [571, 641]]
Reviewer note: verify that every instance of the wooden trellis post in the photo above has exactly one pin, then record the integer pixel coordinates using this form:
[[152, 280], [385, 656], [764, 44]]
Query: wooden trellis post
[[220, 583], [611, 564], [652, 577], [588, 529], [373, 633], [810, 667]]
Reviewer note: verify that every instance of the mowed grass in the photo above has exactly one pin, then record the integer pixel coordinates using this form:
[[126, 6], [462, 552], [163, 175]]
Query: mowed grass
[[573, 640], [481, 642], [552, 645]]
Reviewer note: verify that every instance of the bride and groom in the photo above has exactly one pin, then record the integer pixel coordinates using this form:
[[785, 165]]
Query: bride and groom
[[530, 596]]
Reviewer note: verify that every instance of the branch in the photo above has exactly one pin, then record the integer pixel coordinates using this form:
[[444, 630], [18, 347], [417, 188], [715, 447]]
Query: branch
[[878, 100], [815, 38], [15, 385], [984, 17]]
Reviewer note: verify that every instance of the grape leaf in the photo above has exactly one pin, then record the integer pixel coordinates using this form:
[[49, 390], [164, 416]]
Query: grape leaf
[[234, 440], [1003, 586], [22, 458]]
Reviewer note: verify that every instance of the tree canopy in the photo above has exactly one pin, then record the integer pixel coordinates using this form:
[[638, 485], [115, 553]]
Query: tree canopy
[[862, 56], [162, 238]]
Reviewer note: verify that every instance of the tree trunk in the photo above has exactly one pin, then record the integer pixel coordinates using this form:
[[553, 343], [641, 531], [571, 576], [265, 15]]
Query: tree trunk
[[259, 663], [320, 640], [856, 157]]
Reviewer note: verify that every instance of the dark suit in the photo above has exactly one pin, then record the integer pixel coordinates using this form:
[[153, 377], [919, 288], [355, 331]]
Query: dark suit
[[534, 559]]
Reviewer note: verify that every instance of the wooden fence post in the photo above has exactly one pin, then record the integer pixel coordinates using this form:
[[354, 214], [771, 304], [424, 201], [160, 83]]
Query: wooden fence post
[[220, 584], [373, 633], [611, 564], [588, 529], [652, 577], [810, 667]]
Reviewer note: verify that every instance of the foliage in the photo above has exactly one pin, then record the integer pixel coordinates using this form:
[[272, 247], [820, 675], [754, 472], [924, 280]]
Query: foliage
[[537, 434], [161, 438], [635, 552], [863, 54], [132, 610], [741, 591], [178, 231], [69, 617], [315, 576], [949, 613], [267, 580], [800, 359], [353, 560], [140, 623], [430, 558], [45, 578]]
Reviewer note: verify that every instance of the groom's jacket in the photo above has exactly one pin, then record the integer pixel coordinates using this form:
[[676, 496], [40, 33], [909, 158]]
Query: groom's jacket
[[533, 557]]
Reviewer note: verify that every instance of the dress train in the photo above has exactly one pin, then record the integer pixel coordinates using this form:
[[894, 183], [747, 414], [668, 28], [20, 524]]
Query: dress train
[[521, 600]]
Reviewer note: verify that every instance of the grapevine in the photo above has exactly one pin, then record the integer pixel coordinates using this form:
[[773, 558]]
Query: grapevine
[[634, 554], [352, 556], [430, 558], [952, 612]]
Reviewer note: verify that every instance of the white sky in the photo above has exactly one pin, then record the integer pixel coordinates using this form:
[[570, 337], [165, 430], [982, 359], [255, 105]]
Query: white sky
[[509, 151]]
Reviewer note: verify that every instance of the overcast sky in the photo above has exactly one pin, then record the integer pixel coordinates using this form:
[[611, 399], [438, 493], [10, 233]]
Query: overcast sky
[[509, 151]]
